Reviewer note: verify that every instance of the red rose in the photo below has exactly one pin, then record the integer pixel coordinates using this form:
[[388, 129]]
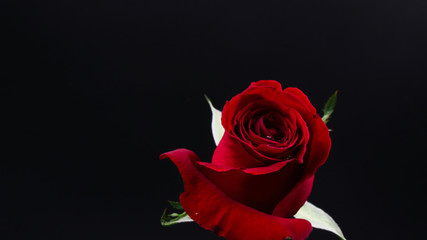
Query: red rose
[[263, 168]]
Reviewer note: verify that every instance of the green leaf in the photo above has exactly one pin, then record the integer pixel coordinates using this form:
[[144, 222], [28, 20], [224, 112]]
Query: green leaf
[[217, 129], [319, 219], [176, 205], [328, 109], [174, 218]]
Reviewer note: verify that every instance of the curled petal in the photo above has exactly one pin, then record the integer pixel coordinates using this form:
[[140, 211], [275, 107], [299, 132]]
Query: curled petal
[[296, 99], [319, 145], [261, 191], [232, 152], [254, 93], [294, 200], [212, 209], [267, 83], [253, 171]]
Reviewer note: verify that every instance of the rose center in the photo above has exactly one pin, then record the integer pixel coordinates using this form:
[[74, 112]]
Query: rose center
[[270, 126]]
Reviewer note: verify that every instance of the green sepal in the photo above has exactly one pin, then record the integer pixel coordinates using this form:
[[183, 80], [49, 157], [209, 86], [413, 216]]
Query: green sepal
[[176, 205], [174, 218], [217, 129], [319, 219], [328, 109]]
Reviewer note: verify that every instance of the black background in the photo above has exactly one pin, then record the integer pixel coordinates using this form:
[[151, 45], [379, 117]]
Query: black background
[[93, 91]]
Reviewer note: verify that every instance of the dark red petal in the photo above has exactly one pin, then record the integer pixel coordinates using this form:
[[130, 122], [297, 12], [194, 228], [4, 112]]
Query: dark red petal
[[267, 83], [232, 152], [260, 191], [213, 210], [271, 90], [296, 99], [294, 200], [254, 171], [319, 145]]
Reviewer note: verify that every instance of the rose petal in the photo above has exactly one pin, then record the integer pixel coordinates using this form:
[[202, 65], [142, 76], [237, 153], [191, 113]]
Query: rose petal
[[231, 152], [318, 146], [296, 99], [251, 95], [294, 200], [215, 211], [260, 188], [267, 83], [254, 171]]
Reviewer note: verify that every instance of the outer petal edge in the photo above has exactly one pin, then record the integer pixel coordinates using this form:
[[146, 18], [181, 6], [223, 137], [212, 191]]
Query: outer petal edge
[[213, 210]]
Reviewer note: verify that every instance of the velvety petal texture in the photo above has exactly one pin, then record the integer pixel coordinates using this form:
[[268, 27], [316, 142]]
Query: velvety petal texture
[[212, 209], [263, 169]]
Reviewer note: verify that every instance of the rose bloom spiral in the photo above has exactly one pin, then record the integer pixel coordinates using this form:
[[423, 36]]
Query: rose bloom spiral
[[262, 171]]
